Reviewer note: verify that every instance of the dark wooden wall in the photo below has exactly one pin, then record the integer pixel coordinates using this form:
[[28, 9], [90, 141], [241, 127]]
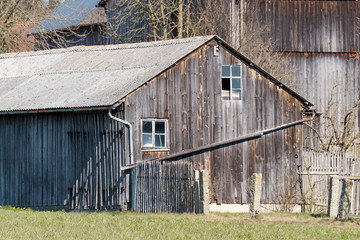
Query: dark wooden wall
[[82, 36], [306, 25], [121, 31], [45, 159], [319, 38], [189, 96]]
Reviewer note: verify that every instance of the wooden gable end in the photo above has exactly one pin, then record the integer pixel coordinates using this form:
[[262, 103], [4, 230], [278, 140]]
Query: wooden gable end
[[188, 96]]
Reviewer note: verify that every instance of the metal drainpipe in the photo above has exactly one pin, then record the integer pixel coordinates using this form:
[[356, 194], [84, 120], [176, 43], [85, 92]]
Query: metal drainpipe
[[131, 155]]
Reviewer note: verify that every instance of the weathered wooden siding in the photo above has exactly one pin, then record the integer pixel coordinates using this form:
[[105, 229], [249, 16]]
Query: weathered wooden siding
[[164, 187], [189, 96], [51, 159], [308, 25], [319, 73], [321, 77]]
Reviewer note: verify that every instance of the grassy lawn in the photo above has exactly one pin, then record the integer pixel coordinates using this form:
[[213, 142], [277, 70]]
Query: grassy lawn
[[28, 224]]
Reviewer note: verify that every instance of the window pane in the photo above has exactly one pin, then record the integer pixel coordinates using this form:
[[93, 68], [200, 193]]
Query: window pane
[[236, 83], [225, 71], [159, 140], [159, 127], [225, 88], [147, 127], [236, 94], [225, 84], [236, 71], [147, 140]]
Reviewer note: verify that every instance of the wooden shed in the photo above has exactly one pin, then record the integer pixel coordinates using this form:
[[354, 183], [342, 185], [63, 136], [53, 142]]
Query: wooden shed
[[193, 99]]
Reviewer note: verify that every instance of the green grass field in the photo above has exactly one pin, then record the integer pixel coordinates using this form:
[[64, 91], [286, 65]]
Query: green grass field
[[28, 224]]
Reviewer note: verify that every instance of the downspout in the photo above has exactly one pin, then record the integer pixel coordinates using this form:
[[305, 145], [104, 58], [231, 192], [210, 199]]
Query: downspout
[[231, 141], [131, 151]]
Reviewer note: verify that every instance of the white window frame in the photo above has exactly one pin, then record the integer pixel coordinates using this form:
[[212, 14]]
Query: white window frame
[[231, 77], [153, 134]]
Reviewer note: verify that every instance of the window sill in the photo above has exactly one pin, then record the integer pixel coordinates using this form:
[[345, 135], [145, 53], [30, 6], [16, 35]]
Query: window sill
[[155, 150]]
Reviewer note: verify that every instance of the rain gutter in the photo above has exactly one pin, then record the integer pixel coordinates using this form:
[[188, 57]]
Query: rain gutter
[[54, 110], [233, 141]]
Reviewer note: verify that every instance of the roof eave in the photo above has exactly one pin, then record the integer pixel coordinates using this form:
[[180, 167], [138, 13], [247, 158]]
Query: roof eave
[[55, 110]]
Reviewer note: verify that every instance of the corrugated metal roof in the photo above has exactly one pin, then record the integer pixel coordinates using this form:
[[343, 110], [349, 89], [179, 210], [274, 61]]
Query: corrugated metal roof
[[80, 77], [68, 14], [93, 76]]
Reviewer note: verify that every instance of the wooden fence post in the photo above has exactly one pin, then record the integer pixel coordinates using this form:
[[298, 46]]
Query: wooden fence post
[[133, 189], [333, 203], [197, 191], [345, 200], [255, 194], [204, 192]]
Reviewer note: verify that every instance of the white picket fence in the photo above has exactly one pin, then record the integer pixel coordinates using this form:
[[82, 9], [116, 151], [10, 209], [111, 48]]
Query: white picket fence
[[317, 167]]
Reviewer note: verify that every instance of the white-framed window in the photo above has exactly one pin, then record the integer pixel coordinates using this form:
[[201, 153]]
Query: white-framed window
[[231, 82], [154, 134]]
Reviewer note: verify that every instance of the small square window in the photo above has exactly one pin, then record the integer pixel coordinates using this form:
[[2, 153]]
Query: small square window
[[231, 82], [225, 91], [236, 83], [147, 127], [159, 127], [154, 134], [225, 71], [236, 71]]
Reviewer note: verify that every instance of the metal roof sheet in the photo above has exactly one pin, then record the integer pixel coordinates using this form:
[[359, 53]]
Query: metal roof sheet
[[81, 77], [68, 14]]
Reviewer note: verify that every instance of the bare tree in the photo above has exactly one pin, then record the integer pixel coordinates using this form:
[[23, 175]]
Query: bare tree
[[17, 17], [160, 20], [133, 20]]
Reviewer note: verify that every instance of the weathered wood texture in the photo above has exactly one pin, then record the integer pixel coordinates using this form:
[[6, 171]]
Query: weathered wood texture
[[189, 96], [322, 76], [61, 159], [164, 187], [319, 38], [319, 73], [317, 168], [308, 26]]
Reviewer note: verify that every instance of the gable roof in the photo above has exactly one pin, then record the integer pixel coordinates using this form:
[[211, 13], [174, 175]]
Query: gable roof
[[96, 76], [70, 14]]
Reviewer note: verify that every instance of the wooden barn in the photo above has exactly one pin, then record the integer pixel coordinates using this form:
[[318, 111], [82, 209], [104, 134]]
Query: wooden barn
[[320, 38], [85, 22], [195, 99]]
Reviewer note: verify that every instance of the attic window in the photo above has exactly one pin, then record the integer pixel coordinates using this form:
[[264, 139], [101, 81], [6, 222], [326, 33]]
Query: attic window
[[153, 134], [231, 82]]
